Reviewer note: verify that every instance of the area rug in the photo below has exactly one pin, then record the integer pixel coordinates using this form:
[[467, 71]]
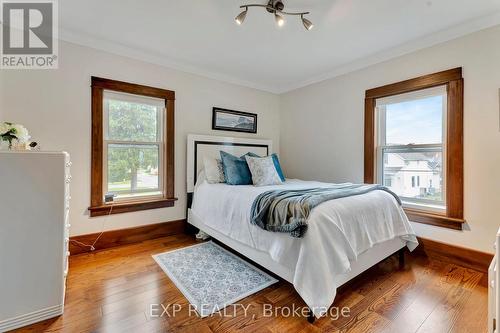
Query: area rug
[[211, 277]]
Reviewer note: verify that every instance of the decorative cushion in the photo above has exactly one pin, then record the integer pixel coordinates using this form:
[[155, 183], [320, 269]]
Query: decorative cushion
[[214, 171], [263, 171], [276, 162], [236, 171]]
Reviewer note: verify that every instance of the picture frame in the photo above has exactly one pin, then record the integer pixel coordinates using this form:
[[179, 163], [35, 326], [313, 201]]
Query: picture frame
[[231, 120]]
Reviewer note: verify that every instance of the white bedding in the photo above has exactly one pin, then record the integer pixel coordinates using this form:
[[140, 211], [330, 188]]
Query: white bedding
[[338, 232]]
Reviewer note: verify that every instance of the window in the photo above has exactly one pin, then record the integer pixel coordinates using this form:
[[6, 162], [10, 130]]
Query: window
[[414, 145], [410, 145], [132, 147], [388, 181]]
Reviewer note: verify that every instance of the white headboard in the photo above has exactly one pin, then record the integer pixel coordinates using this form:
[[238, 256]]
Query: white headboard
[[199, 146]]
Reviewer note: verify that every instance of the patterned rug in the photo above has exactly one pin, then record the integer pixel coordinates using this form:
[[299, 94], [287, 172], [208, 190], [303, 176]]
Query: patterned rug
[[210, 277]]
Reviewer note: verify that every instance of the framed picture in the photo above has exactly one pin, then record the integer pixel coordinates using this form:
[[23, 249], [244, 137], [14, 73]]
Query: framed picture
[[230, 120]]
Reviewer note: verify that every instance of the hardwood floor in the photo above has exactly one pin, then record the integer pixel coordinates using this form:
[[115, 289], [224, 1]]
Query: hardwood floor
[[111, 291]]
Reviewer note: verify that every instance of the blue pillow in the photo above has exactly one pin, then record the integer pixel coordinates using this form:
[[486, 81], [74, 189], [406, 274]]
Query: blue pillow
[[236, 171], [277, 165]]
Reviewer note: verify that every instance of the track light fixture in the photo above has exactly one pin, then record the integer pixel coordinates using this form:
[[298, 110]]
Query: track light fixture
[[280, 21], [274, 7], [307, 24], [241, 16]]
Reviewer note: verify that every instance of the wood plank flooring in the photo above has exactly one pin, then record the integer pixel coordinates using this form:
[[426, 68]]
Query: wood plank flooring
[[111, 291]]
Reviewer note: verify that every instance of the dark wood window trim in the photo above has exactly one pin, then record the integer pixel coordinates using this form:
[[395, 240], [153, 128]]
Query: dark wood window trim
[[97, 205], [454, 82]]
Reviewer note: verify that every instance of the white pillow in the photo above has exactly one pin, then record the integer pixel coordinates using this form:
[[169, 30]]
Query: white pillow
[[263, 171], [213, 170]]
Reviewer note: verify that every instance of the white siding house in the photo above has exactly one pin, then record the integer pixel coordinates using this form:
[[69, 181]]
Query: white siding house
[[413, 175]]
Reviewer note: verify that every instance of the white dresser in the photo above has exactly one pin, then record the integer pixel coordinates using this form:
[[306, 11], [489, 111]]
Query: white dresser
[[494, 289], [34, 236]]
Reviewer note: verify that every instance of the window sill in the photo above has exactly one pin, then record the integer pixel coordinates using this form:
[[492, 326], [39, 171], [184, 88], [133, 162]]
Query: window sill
[[126, 207], [434, 219], [425, 208]]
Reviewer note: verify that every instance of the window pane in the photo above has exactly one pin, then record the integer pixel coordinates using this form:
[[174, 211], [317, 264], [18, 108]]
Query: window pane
[[130, 121], [133, 169], [416, 175], [414, 121]]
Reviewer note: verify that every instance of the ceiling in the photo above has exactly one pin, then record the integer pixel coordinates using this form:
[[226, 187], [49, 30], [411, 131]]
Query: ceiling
[[200, 36]]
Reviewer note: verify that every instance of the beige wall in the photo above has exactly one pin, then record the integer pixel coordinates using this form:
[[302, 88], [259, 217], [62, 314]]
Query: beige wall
[[322, 128], [55, 106]]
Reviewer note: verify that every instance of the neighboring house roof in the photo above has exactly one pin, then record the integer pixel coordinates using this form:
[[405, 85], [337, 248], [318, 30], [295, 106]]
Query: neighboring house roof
[[432, 161], [413, 156]]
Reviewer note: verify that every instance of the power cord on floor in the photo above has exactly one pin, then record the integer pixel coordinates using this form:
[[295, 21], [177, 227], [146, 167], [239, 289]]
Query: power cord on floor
[[92, 247]]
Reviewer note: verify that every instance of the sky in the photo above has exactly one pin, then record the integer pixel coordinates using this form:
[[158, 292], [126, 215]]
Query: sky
[[418, 121]]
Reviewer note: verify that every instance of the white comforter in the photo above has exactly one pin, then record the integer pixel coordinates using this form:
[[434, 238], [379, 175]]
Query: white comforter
[[339, 231]]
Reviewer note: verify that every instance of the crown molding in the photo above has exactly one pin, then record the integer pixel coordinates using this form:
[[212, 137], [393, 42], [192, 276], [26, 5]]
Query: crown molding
[[155, 58], [439, 37]]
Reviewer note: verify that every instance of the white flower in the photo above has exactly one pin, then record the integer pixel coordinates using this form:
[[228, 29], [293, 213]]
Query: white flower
[[21, 133], [4, 128]]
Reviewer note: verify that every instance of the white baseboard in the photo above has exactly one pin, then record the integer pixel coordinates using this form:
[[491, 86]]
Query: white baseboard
[[31, 318]]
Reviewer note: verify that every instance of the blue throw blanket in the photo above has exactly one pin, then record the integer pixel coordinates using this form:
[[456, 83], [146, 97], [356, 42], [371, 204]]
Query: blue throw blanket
[[288, 210]]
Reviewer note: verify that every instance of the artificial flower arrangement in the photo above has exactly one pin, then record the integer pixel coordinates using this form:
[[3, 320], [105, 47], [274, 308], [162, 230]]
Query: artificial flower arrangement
[[14, 135]]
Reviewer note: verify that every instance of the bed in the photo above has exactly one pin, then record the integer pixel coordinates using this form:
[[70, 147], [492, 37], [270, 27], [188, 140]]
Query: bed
[[345, 236]]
